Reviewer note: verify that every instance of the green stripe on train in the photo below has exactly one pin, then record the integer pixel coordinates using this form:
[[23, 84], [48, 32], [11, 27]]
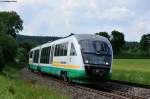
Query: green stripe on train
[[72, 73]]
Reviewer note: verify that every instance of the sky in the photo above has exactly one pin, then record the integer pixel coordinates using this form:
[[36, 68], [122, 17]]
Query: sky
[[62, 17]]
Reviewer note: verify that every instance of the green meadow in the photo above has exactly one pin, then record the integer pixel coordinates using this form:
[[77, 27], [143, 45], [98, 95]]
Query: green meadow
[[13, 88], [132, 70]]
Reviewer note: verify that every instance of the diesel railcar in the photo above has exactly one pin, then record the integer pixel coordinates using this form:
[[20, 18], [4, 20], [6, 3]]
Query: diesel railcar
[[81, 58]]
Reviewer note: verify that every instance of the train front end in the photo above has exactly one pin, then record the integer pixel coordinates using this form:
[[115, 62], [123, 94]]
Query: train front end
[[97, 56]]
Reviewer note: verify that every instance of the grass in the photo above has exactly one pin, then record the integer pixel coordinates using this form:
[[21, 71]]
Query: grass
[[132, 70], [12, 88]]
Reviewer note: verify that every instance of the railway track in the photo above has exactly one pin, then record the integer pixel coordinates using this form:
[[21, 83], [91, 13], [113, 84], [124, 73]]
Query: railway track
[[112, 95], [131, 84], [126, 89], [109, 93]]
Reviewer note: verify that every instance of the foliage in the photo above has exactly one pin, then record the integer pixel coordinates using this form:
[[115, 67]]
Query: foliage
[[10, 23], [117, 41], [21, 55], [35, 40], [23, 52], [135, 55], [145, 43], [9, 47], [131, 45], [105, 34], [131, 70], [1, 60], [26, 46]]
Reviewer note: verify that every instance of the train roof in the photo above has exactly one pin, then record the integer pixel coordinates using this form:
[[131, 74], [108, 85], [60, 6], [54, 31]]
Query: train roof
[[92, 37], [80, 37]]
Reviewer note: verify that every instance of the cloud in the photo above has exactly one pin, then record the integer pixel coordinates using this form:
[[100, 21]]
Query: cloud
[[61, 17], [117, 13]]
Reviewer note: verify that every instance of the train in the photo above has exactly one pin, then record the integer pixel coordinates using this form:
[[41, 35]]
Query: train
[[79, 58]]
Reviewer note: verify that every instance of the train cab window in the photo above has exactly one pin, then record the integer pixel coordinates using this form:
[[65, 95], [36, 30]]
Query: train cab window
[[45, 55], [61, 49], [73, 51], [30, 56], [36, 56], [101, 47]]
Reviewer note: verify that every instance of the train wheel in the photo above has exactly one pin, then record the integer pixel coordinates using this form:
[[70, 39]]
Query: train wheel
[[64, 76]]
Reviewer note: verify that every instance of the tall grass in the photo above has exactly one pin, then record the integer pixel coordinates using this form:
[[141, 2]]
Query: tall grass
[[12, 88]]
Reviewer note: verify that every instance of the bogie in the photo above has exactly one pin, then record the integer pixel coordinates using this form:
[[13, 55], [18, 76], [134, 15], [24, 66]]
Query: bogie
[[64, 76]]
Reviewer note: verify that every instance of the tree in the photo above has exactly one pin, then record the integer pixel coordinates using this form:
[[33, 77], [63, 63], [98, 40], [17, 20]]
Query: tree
[[105, 34], [26, 46], [22, 55], [117, 41], [10, 23], [145, 43], [9, 47], [24, 49]]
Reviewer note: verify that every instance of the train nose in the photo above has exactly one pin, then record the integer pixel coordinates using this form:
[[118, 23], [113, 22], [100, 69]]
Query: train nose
[[97, 71]]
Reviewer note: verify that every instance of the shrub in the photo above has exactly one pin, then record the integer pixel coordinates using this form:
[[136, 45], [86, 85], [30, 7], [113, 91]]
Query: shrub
[[9, 47]]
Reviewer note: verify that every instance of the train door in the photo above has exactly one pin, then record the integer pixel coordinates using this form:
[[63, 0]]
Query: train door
[[31, 57], [51, 54], [39, 56], [72, 55]]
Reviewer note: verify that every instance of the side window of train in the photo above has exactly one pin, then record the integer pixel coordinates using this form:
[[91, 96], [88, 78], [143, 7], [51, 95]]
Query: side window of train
[[61, 49], [36, 56], [65, 49], [56, 50], [72, 50], [45, 55]]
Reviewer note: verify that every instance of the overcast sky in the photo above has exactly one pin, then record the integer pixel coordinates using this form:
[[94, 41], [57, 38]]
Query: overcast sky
[[62, 17]]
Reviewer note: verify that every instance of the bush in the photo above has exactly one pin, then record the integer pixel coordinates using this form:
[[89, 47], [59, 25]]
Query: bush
[[22, 55], [9, 47]]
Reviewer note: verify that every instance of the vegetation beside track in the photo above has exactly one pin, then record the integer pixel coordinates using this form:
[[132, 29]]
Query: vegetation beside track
[[13, 88], [132, 70]]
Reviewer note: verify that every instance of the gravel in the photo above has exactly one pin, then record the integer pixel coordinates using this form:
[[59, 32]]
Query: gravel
[[136, 91]]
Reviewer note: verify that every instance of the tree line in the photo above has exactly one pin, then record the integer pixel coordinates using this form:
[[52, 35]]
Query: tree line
[[117, 40]]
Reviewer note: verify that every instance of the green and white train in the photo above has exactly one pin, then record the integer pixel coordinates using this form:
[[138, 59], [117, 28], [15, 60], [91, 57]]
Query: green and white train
[[81, 58]]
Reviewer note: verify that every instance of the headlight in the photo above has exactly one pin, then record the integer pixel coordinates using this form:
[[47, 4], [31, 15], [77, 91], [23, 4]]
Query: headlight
[[86, 61], [107, 63]]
